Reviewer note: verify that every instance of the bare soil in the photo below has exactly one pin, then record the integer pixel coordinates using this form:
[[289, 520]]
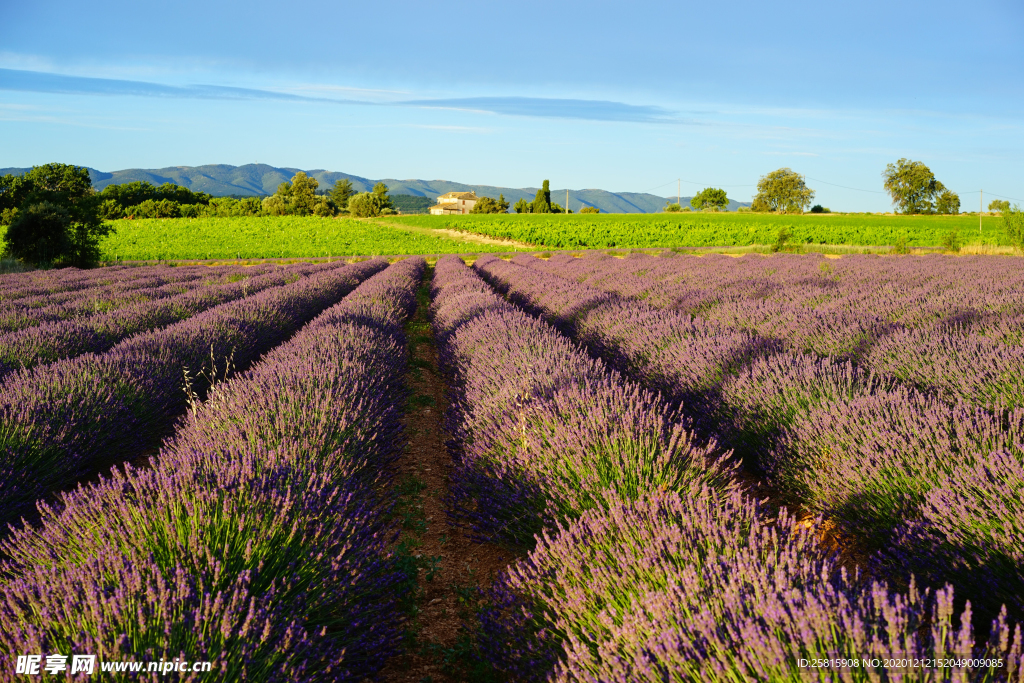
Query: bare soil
[[452, 566]]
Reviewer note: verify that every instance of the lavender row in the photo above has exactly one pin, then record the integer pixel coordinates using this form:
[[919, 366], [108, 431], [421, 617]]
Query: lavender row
[[954, 327], [697, 586], [869, 454], [162, 283], [34, 283], [924, 292], [540, 429], [259, 538], [37, 284], [63, 420], [685, 359], [52, 341]]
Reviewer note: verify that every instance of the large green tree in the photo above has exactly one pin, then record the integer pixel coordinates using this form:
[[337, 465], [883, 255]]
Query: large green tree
[[709, 198], [948, 202], [54, 216], [522, 206], [542, 202], [489, 205], [371, 204], [912, 186], [1000, 205], [303, 194], [783, 190], [341, 192]]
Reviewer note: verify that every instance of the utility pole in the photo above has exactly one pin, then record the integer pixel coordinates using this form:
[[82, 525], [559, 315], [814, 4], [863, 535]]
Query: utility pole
[[679, 191], [981, 204], [566, 201]]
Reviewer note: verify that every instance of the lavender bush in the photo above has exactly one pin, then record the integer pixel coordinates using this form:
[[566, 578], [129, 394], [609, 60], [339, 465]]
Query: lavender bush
[[970, 531], [264, 514], [540, 429], [63, 420], [867, 462], [707, 587], [52, 341]]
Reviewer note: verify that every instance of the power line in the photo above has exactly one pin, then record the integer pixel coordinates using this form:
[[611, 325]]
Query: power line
[[996, 195]]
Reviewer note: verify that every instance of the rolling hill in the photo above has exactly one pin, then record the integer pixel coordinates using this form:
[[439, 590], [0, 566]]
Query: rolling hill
[[262, 179]]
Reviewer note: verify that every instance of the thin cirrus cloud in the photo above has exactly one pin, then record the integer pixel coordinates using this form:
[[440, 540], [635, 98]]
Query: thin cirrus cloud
[[536, 107]]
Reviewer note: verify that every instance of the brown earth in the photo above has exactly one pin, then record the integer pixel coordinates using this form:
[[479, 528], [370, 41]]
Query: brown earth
[[452, 567]]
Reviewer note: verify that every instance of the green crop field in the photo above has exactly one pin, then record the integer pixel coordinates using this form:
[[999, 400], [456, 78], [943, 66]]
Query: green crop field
[[298, 237], [717, 229], [271, 237]]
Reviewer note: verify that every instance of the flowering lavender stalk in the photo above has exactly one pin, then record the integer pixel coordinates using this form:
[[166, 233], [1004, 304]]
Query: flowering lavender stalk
[[970, 531], [683, 359], [773, 393], [705, 587], [263, 515], [954, 364], [540, 429], [28, 311], [53, 341], [63, 420], [867, 462]]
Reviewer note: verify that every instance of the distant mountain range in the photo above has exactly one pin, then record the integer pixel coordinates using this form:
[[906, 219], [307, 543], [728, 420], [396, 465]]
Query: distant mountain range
[[261, 179]]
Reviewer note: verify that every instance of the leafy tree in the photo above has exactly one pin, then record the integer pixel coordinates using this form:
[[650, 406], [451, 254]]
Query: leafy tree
[[948, 202], [361, 205], [709, 198], [782, 190], [56, 206], [594, 209], [382, 199], [488, 205], [1000, 205], [303, 194], [276, 204], [818, 208], [912, 186], [341, 192], [522, 206], [323, 207], [249, 206], [1013, 226], [40, 234], [163, 208], [673, 207], [542, 202], [371, 204], [134, 193]]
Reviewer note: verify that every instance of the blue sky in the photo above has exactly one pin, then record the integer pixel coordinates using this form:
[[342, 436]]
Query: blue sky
[[624, 97]]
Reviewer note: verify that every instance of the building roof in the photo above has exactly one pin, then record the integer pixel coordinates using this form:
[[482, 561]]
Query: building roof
[[458, 195]]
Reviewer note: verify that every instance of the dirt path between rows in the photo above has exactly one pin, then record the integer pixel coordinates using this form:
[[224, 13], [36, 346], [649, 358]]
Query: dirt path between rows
[[452, 567], [459, 236]]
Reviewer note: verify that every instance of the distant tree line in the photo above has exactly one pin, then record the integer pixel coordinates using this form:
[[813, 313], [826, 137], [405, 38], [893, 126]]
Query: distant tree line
[[299, 196]]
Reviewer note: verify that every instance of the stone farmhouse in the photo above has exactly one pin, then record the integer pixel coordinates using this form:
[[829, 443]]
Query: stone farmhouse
[[454, 202]]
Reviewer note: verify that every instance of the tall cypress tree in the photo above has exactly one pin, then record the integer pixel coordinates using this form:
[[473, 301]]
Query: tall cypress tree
[[542, 202]]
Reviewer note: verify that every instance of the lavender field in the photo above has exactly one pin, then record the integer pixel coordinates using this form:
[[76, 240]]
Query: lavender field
[[681, 468]]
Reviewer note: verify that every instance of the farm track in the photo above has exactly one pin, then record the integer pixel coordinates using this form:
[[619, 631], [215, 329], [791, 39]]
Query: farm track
[[452, 568], [461, 236]]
